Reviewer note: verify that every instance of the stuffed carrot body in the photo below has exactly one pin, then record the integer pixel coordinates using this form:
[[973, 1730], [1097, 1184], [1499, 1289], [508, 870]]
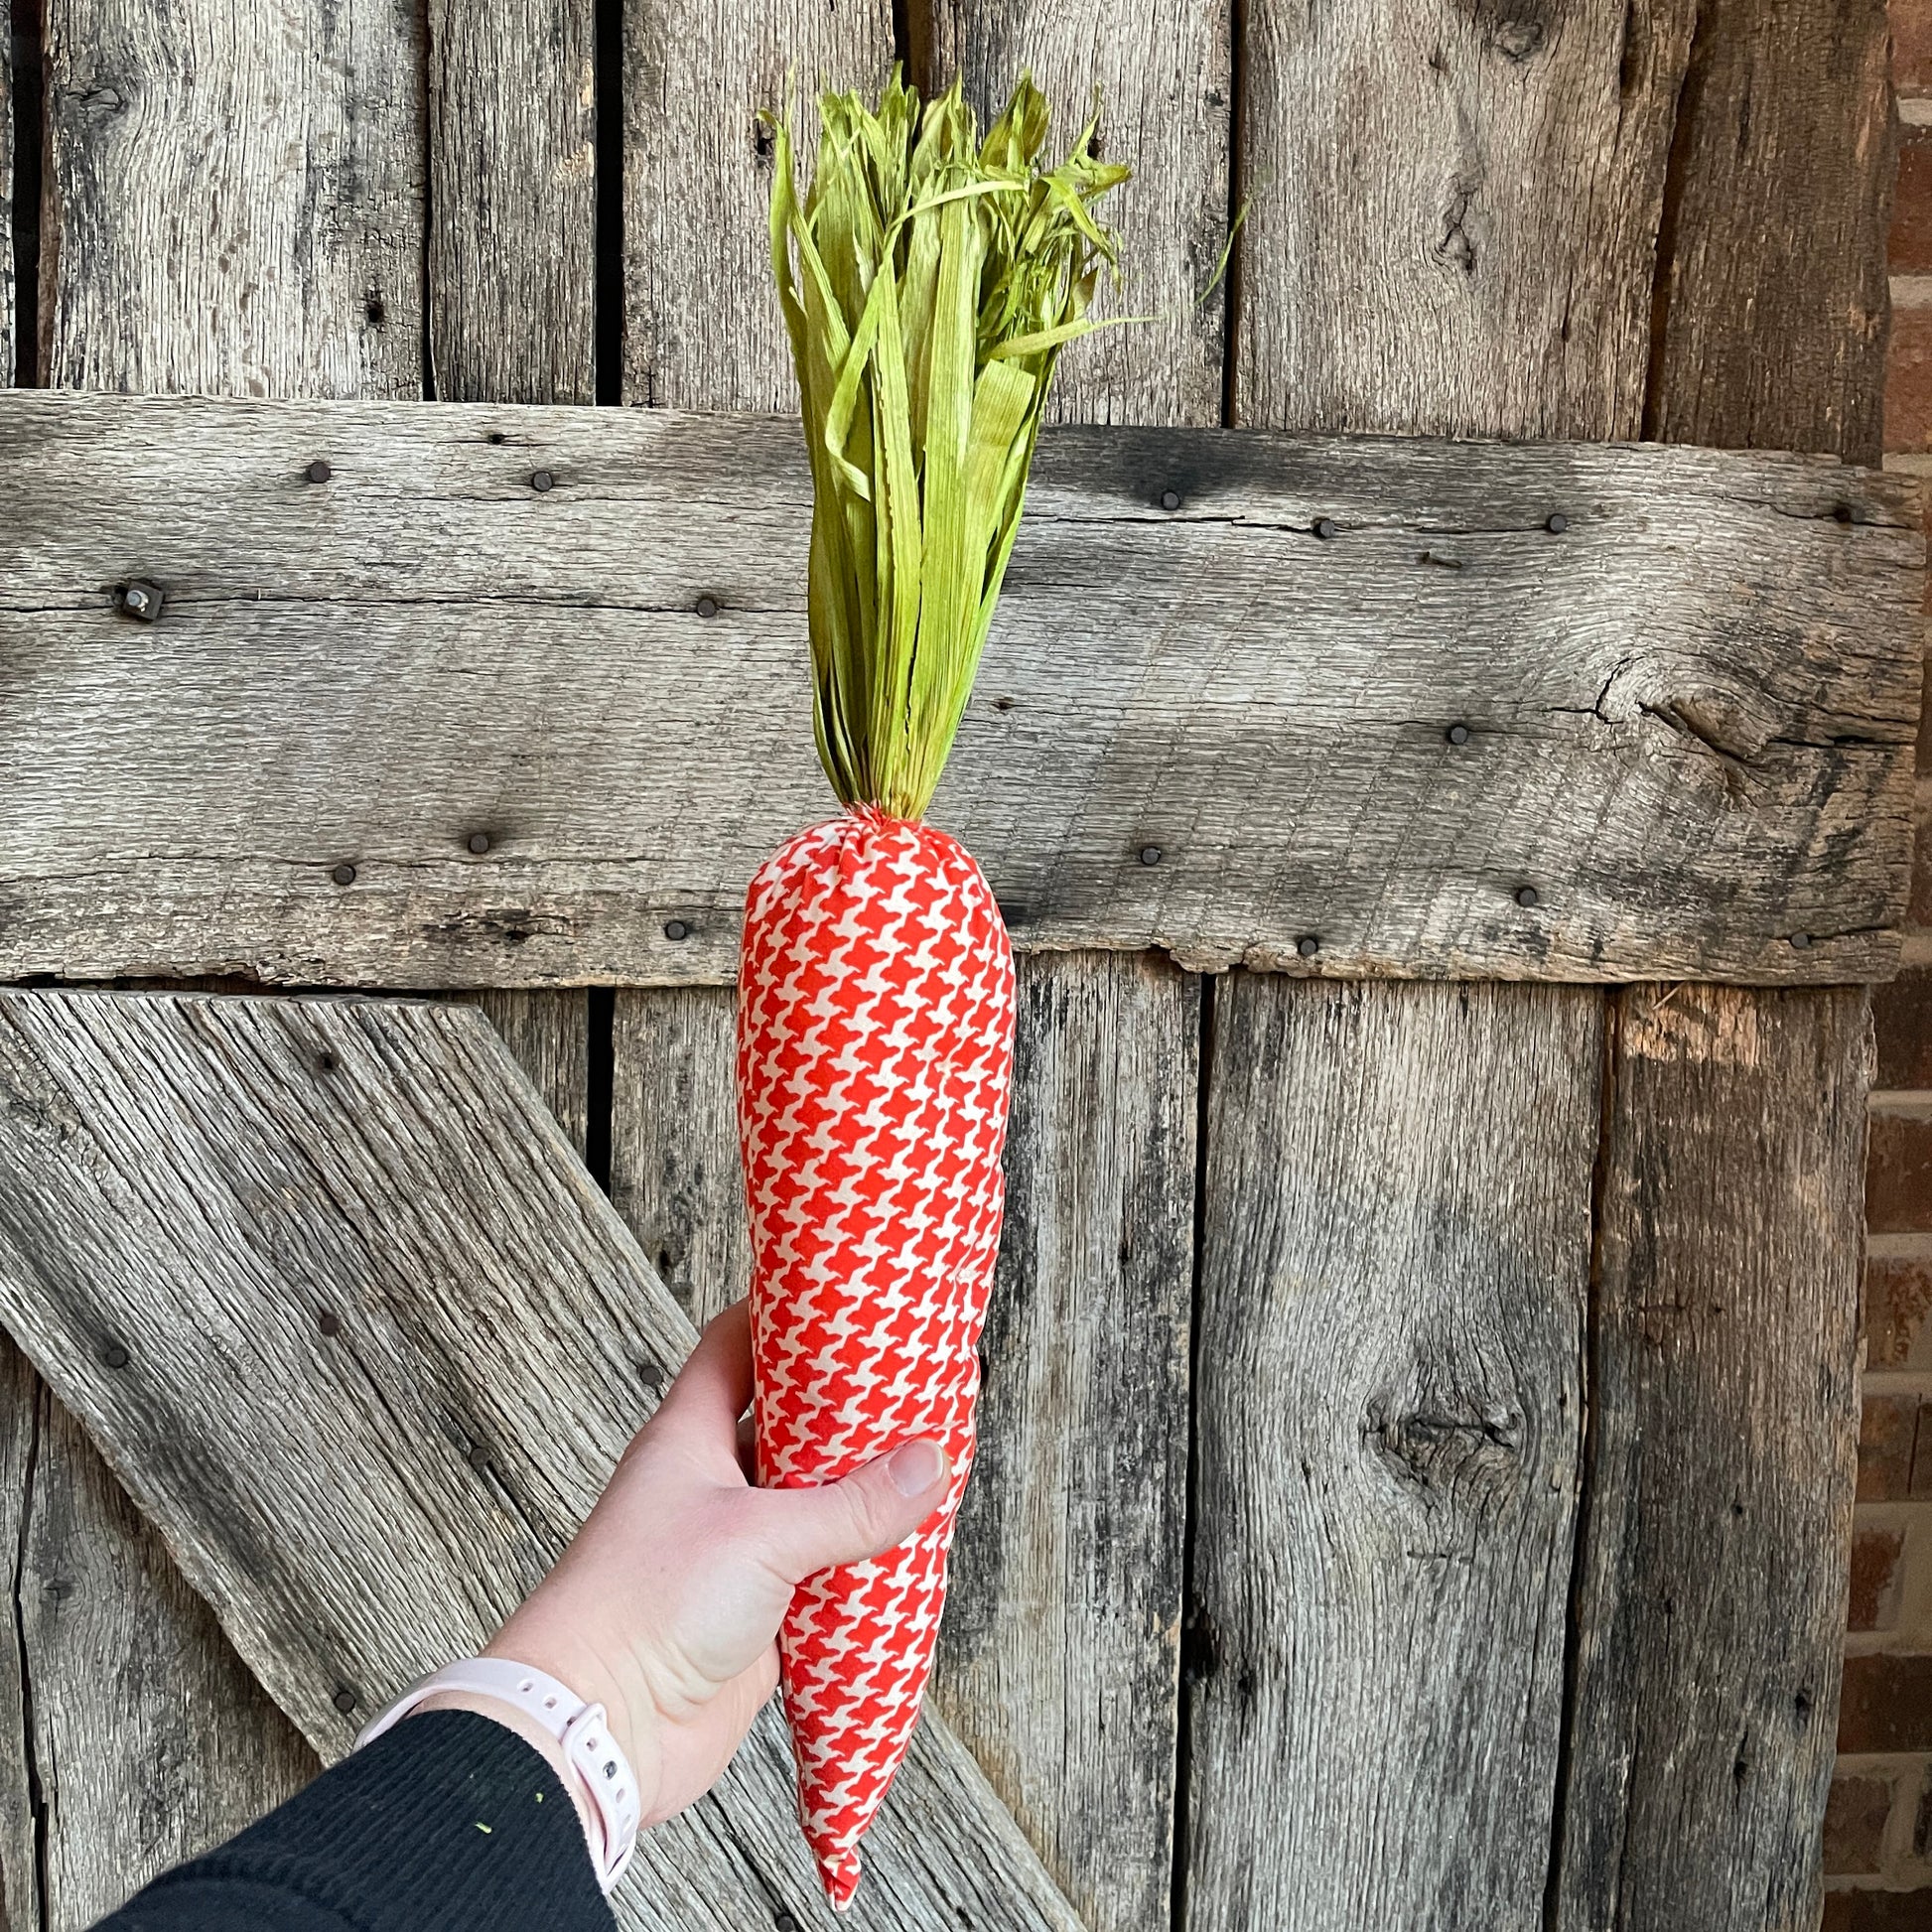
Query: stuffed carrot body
[[929, 284], [874, 1061]]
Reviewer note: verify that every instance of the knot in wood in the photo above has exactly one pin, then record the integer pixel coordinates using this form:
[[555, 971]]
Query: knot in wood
[[1448, 1450]]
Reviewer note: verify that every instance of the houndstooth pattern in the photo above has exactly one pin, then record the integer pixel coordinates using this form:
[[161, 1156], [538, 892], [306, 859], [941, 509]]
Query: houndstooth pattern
[[875, 1063]]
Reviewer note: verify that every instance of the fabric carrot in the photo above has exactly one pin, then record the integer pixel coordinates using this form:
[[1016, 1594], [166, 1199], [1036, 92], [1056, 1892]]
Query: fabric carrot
[[929, 284]]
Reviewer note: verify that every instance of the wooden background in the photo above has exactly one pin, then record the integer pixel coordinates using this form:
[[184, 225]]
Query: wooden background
[[1472, 1557]]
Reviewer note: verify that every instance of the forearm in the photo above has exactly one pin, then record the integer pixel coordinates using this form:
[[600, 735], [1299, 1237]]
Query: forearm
[[452, 1821]]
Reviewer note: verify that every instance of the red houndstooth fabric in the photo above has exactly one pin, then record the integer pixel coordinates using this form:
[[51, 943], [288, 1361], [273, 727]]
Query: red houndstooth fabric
[[875, 1062]]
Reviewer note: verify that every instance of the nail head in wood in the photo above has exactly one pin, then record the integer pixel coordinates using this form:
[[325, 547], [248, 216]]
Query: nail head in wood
[[318, 471], [1556, 523], [478, 843], [707, 607], [344, 875], [1324, 527], [329, 1322], [1307, 945], [1802, 940], [142, 599], [1151, 855], [541, 479], [344, 1700], [1527, 895], [1171, 500], [1458, 733], [676, 929], [115, 1355]]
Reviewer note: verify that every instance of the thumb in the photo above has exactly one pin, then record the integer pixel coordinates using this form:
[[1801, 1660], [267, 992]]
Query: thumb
[[862, 1515]]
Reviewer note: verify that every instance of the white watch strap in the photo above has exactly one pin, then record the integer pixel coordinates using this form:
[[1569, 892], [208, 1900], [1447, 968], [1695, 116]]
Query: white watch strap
[[581, 1729]]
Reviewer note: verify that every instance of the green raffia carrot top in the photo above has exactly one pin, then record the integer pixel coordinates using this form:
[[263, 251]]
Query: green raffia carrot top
[[930, 282]]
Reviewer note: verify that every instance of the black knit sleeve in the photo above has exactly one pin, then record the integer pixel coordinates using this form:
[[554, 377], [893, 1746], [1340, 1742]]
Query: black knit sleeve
[[449, 1821]]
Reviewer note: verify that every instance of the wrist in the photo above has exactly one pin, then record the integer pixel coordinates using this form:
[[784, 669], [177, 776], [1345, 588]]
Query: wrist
[[501, 1712]]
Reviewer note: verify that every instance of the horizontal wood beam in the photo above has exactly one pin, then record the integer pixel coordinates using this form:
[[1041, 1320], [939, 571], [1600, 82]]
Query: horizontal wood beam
[[337, 1300], [485, 695]]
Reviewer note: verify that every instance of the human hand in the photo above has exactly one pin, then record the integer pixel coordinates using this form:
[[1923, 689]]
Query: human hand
[[666, 1606]]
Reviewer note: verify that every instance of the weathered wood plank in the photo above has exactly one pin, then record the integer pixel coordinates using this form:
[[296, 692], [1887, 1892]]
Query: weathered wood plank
[[1690, 714], [359, 1498], [19, 1806], [548, 1035], [702, 326], [1772, 301], [1390, 1408], [513, 170], [121, 1649], [234, 198], [1164, 76], [1724, 1430], [675, 1173], [7, 294], [1454, 213], [1059, 1654], [1717, 1539]]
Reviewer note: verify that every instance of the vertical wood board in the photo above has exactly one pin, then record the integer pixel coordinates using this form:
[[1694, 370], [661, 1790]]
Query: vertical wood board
[[1164, 75], [676, 1175], [1060, 1652], [1390, 1406], [1710, 1597], [1771, 301], [1712, 1580], [234, 198], [1454, 210], [512, 170], [703, 329], [363, 1496]]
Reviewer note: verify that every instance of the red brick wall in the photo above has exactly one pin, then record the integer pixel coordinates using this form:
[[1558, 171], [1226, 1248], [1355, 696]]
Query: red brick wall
[[1879, 1828]]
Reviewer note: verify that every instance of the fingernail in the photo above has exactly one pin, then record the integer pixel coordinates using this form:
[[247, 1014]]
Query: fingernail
[[917, 1468]]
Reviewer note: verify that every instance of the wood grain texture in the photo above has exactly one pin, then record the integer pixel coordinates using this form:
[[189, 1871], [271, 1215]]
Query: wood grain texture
[[1724, 1395], [7, 294], [702, 324], [1390, 1421], [548, 1037], [1691, 712], [1454, 207], [1772, 301], [357, 1504], [512, 174], [234, 198], [1716, 1539], [1059, 1654], [21, 1809], [676, 1176], [1164, 75], [142, 1715]]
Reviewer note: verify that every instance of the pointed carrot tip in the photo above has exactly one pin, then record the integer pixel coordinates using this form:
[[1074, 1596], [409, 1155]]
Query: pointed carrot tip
[[840, 1878]]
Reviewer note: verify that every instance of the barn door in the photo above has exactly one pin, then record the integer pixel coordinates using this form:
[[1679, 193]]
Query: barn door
[[1419, 1415]]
